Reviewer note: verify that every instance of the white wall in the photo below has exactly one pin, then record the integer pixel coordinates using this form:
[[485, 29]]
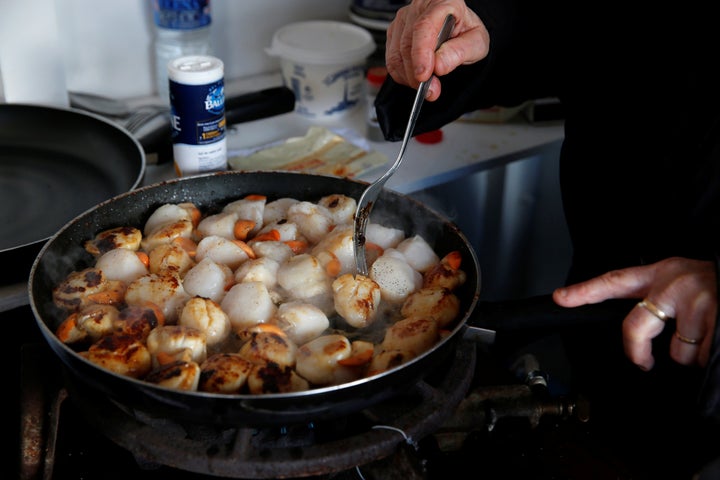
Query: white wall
[[105, 47]]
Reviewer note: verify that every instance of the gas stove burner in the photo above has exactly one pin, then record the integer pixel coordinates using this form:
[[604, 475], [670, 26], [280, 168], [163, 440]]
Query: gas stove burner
[[302, 450]]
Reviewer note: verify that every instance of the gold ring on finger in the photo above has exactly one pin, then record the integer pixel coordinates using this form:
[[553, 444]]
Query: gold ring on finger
[[688, 340], [652, 308]]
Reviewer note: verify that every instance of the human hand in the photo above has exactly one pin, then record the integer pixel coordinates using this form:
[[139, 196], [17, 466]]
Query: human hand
[[683, 289], [410, 55]]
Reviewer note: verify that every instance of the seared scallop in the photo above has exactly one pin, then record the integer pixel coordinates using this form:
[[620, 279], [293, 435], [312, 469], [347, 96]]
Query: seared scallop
[[206, 315]]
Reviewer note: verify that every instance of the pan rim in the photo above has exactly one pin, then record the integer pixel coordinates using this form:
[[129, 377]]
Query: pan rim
[[317, 392], [133, 144]]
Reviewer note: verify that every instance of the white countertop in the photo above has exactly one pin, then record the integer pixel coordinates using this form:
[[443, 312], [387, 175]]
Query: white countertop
[[466, 147]]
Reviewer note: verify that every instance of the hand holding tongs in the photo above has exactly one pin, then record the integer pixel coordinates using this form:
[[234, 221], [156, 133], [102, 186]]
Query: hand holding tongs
[[370, 195]]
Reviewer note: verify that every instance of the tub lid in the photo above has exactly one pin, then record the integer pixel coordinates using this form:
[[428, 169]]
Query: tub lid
[[322, 42]]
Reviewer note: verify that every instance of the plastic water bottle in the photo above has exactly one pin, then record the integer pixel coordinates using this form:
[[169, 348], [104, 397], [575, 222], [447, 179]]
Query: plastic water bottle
[[181, 28]]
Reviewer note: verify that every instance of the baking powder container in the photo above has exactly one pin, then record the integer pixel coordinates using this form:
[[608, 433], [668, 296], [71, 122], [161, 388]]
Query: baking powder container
[[197, 104], [323, 63]]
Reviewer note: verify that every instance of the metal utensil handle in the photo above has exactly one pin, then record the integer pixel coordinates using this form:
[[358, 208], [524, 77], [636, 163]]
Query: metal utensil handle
[[419, 99], [367, 199]]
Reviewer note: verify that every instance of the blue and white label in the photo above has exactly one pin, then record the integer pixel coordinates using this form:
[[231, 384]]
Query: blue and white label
[[181, 14], [198, 127]]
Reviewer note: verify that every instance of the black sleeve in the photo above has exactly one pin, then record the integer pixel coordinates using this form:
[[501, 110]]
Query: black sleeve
[[710, 392], [517, 68]]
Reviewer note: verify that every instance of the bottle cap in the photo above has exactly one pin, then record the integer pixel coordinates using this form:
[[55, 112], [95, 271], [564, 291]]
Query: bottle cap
[[196, 69]]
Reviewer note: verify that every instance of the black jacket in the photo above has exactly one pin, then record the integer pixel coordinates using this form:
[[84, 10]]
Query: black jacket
[[640, 162]]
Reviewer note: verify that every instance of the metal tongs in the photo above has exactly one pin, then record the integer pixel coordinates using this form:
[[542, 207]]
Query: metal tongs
[[370, 195]]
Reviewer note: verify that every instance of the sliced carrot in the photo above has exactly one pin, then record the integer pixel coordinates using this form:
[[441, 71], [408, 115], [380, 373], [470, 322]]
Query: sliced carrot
[[453, 259], [250, 252], [374, 246], [111, 296], [272, 235], [297, 246], [187, 244], [67, 331], [144, 258], [255, 197], [333, 267], [164, 358], [361, 358], [243, 228], [195, 214], [267, 327]]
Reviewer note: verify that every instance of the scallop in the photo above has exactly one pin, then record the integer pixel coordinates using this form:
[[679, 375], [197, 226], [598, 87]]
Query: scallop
[[356, 299], [84, 287], [438, 304], [166, 214], [396, 278], [314, 221], [263, 269], [177, 376], [121, 264], [248, 304], [224, 373], [91, 323], [220, 224], [165, 291], [121, 354], [277, 209], [208, 279], [269, 347], [303, 276], [385, 237], [221, 250], [176, 343], [273, 378], [166, 233], [250, 208], [287, 230], [341, 207], [413, 335], [277, 250], [206, 315], [170, 258], [121, 237], [418, 253], [339, 242], [301, 321], [317, 360]]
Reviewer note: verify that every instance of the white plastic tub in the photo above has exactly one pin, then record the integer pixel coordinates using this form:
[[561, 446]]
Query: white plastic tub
[[323, 62]]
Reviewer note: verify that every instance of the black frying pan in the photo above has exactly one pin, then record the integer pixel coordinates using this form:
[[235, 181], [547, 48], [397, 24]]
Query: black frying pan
[[54, 164], [64, 253]]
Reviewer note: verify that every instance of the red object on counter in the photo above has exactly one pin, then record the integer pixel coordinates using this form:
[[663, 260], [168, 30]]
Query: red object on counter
[[376, 76], [434, 136]]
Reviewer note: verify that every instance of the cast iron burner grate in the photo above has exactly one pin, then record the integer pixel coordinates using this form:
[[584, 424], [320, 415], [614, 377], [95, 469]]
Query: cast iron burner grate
[[314, 449]]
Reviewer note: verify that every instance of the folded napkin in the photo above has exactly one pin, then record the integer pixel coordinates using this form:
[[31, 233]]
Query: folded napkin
[[320, 151]]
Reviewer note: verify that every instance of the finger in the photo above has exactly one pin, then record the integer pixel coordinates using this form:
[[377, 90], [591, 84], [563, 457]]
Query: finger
[[691, 342], [394, 59], [639, 327], [625, 283]]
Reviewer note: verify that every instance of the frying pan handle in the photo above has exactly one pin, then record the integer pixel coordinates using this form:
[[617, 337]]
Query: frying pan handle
[[542, 313]]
